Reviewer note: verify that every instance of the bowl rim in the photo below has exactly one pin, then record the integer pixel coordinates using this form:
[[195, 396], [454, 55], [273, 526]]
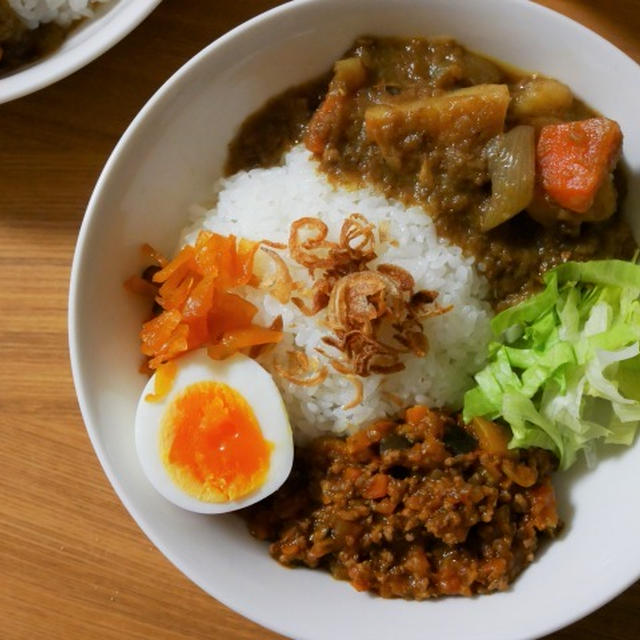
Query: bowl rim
[[120, 20], [154, 102]]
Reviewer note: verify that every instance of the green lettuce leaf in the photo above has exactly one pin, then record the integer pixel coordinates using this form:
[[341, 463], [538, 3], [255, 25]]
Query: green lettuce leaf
[[564, 368]]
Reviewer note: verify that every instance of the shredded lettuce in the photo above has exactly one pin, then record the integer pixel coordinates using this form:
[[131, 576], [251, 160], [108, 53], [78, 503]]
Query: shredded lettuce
[[564, 368]]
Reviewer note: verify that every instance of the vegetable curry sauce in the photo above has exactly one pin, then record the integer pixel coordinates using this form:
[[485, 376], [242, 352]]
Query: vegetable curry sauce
[[419, 120], [20, 45]]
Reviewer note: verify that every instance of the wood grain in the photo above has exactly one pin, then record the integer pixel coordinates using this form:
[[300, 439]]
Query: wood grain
[[73, 564]]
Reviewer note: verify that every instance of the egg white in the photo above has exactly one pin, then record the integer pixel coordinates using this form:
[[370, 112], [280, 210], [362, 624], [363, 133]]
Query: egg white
[[257, 387]]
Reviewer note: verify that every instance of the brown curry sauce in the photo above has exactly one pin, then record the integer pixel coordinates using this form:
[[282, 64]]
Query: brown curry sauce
[[20, 45], [448, 176]]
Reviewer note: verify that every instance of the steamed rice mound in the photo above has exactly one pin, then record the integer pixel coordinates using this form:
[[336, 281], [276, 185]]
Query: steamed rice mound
[[262, 203]]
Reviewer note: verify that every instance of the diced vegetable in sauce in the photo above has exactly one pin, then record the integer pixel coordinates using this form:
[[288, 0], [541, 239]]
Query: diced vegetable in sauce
[[511, 159], [427, 122], [537, 98], [465, 118], [575, 158]]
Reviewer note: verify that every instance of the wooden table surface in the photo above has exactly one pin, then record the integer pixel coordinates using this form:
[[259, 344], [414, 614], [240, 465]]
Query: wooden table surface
[[73, 564]]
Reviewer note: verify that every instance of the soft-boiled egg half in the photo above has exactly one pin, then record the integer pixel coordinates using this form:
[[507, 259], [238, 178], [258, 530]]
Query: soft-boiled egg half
[[219, 439]]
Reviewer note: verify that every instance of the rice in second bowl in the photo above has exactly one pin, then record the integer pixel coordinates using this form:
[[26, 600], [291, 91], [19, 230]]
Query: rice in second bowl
[[262, 203]]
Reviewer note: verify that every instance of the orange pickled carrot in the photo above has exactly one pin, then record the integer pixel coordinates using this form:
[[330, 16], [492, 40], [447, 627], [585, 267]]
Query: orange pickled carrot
[[197, 307], [140, 286], [175, 291], [230, 312], [234, 341], [200, 300], [156, 332], [185, 255], [155, 256], [165, 375]]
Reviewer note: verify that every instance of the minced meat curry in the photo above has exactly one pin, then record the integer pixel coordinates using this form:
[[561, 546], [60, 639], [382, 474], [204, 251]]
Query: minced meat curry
[[414, 508], [510, 166]]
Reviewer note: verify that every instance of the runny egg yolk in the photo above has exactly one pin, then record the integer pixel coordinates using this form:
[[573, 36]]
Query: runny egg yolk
[[211, 443]]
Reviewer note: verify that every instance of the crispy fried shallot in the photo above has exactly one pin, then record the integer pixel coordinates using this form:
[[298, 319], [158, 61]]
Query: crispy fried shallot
[[423, 307], [308, 244], [360, 300], [351, 254], [356, 301], [403, 279], [360, 303], [365, 354], [279, 282], [301, 370], [357, 238], [357, 399], [273, 245]]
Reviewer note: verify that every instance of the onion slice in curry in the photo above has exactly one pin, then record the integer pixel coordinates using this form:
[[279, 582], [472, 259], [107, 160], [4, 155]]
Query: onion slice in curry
[[512, 165]]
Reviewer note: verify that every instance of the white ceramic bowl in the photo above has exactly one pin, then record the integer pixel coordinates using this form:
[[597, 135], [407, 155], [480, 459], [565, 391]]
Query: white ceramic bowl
[[110, 23], [166, 160]]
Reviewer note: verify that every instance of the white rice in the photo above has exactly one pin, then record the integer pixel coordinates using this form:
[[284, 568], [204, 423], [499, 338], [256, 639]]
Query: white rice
[[262, 203], [64, 12]]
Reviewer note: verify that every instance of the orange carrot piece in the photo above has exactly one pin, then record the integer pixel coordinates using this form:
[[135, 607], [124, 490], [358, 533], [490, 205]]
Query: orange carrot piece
[[230, 312], [377, 487], [165, 375], [157, 332], [177, 344], [200, 299], [323, 121], [233, 341], [193, 291], [199, 333], [140, 286], [574, 158], [491, 436], [245, 252], [415, 414], [175, 290], [155, 256], [184, 256], [203, 238], [216, 256]]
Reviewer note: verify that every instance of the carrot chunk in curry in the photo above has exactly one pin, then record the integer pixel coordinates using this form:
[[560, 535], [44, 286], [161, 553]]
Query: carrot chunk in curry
[[574, 158]]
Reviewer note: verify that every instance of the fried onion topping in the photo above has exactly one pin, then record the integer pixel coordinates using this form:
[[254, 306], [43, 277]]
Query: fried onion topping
[[279, 282], [375, 315], [301, 370]]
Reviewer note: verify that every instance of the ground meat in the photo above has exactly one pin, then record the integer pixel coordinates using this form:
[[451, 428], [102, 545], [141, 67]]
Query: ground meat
[[398, 510]]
